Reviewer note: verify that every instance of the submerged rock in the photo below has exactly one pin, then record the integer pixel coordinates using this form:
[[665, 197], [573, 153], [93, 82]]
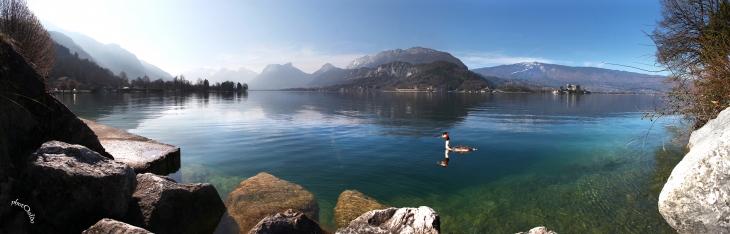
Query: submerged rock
[[393, 220], [110, 226], [264, 195], [72, 187], [539, 230], [351, 204], [161, 205], [141, 153], [696, 196], [288, 222], [195, 173]]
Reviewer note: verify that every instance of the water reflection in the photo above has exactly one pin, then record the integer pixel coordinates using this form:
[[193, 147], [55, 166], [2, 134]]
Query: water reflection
[[401, 114], [445, 162]]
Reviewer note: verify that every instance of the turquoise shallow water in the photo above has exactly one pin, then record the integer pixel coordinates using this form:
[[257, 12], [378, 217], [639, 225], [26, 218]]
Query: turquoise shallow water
[[576, 164]]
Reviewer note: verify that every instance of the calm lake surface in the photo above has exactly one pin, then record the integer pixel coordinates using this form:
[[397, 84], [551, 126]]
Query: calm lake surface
[[576, 164]]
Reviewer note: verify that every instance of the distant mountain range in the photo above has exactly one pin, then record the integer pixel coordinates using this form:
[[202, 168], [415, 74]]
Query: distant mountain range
[[405, 68], [111, 56], [287, 76], [277, 76], [591, 78]]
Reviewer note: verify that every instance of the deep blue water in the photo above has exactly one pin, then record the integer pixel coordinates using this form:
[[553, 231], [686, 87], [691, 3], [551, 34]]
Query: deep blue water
[[573, 163]]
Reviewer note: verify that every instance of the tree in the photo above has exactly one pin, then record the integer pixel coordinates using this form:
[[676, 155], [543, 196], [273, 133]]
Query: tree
[[62, 85], [18, 23], [123, 79], [146, 81], [693, 44], [206, 85], [238, 86], [72, 84]]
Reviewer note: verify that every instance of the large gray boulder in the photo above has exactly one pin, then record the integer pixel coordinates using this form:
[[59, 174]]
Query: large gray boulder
[[110, 226], [288, 222], [421, 220], [696, 197], [161, 205], [72, 187], [539, 230], [264, 195], [351, 204]]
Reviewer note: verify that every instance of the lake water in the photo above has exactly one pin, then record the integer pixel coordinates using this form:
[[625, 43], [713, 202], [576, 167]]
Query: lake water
[[576, 164]]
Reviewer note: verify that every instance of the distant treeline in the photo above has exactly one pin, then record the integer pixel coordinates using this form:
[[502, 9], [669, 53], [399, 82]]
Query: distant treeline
[[87, 75]]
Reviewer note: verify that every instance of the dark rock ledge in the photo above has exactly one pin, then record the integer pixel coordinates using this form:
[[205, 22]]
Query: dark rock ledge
[[70, 188], [161, 205], [141, 153]]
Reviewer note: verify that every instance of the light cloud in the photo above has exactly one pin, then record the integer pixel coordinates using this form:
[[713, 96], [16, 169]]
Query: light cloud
[[594, 64], [306, 58], [486, 59]]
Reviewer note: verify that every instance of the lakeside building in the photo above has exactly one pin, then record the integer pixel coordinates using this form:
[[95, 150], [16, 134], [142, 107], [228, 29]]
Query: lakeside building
[[571, 89]]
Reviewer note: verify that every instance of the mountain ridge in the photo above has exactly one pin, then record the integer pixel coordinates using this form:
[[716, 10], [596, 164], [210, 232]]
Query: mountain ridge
[[414, 55], [591, 78], [437, 75], [280, 76]]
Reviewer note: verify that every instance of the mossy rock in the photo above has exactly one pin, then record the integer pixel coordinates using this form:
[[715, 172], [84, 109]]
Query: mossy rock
[[351, 204], [262, 195]]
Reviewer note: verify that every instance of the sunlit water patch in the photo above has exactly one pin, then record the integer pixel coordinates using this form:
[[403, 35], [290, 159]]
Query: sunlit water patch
[[573, 163]]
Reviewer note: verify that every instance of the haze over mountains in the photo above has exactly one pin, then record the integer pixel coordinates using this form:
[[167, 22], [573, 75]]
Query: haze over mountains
[[110, 56], [284, 76]]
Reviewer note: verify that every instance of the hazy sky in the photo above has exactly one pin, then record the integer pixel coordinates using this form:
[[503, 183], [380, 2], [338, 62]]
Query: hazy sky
[[182, 35]]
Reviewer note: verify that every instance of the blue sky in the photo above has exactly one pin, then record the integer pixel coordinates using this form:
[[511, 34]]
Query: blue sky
[[182, 35]]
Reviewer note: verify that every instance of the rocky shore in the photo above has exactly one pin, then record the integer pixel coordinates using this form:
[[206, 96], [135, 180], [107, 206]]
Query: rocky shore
[[56, 176]]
